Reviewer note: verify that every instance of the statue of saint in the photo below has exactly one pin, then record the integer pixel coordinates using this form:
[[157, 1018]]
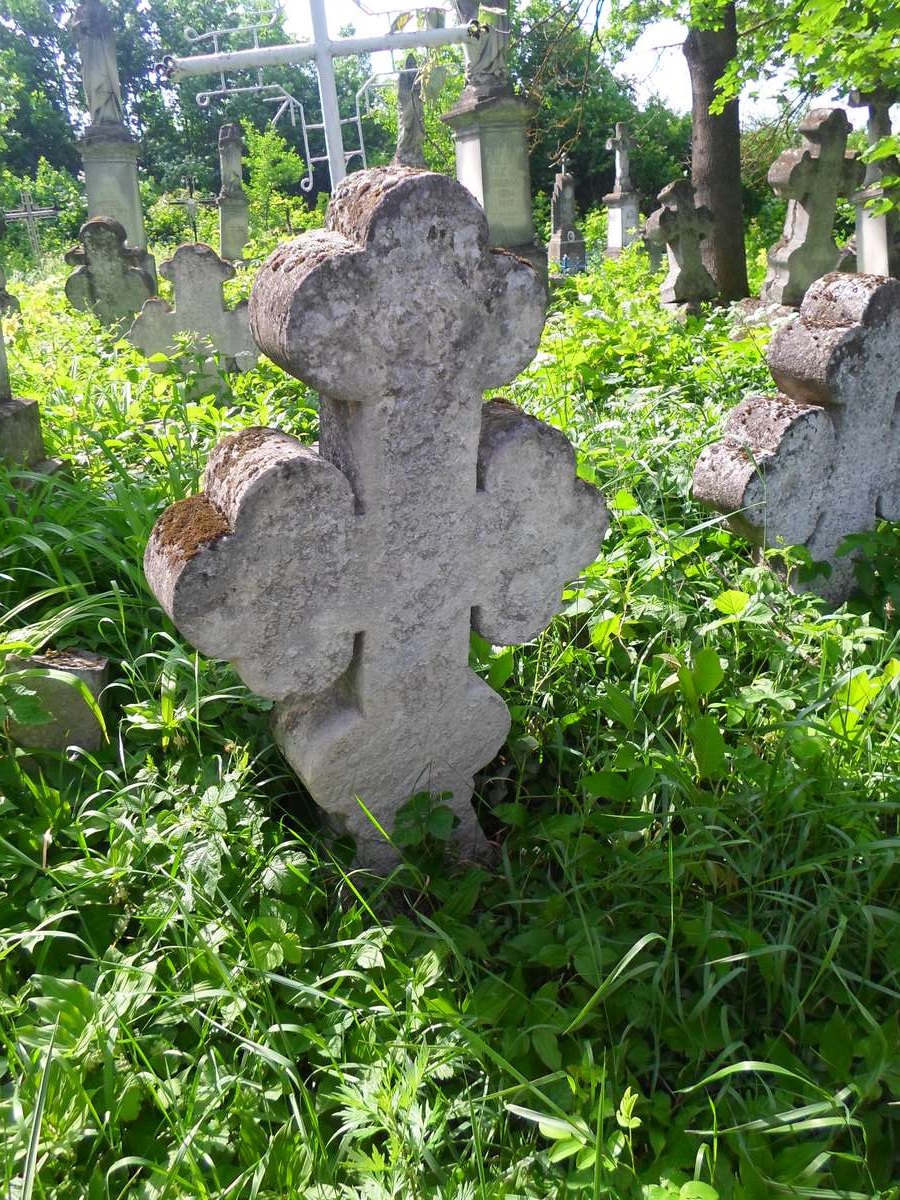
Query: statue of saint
[[96, 42], [410, 116], [486, 69]]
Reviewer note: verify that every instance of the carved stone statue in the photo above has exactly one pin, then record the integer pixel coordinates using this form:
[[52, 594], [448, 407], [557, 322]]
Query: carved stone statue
[[410, 117], [95, 38], [486, 69]]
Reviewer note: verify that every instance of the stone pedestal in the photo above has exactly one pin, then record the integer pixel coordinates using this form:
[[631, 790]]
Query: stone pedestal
[[109, 154], [21, 440], [492, 162], [234, 218], [623, 220]]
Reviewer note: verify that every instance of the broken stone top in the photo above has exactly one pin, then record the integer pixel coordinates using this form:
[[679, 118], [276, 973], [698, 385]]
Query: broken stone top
[[393, 236], [344, 584], [110, 280], [822, 459]]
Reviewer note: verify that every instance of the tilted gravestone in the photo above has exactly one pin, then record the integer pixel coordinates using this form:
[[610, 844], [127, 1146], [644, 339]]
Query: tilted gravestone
[[821, 460], [811, 178], [197, 275], [343, 584], [21, 441], [681, 226], [110, 280]]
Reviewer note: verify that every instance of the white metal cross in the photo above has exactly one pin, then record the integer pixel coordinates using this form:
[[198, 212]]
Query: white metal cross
[[322, 50], [30, 216]]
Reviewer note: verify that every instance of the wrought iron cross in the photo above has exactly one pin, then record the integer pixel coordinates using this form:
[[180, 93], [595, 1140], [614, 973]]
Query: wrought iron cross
[[30, 215]]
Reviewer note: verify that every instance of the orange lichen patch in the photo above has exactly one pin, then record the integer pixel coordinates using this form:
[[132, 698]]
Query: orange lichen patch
[[499, 402], [189, 527]]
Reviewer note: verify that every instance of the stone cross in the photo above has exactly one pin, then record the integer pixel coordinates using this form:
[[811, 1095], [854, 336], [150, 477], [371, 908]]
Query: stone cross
[[682, 226], [110, 280], [197, 275], [821, 460], [29, 215], [343, 584], [811, 178], [622, 144], [191, 203]]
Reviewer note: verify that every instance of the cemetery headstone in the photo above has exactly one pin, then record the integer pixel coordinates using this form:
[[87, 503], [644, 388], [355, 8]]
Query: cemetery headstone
[[29, 214], [72, 721], [566, 250], [681, 226], [234, 221], [877, 233], [820, 460], [108, 151], [490, 129], [410, 116], [343, 584], [197, 275], [622, 203], [109, 280], [21, 441], [811, 178]]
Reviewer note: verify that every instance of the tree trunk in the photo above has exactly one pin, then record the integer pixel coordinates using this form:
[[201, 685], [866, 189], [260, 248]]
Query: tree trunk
[[716, 155]]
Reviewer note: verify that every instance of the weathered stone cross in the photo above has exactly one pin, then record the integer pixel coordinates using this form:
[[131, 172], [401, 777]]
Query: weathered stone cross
[[682, 226], [197, 275], [344, 584], [622, 144], [811, 178], [821, 460], [110, 280]]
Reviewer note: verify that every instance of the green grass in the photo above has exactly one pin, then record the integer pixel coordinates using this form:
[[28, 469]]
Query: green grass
[[680, 978]]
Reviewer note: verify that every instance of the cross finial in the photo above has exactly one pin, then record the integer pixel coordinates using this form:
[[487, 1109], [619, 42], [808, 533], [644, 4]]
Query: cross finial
[[344, 584]]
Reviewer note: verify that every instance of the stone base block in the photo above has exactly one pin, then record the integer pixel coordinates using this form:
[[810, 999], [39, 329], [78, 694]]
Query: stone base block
[[73, 723], [567, 252], [21, 441]]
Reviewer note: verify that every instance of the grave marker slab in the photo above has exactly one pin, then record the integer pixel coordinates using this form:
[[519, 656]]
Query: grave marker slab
[[566, 250], [197, 274], [811, 178], [234, 219], [21, 441], [343, 584], [622, 202], [821, 460], [110, 280], [681, 226]]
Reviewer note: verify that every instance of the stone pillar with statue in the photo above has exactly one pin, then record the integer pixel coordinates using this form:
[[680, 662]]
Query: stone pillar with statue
[[490, 127], [108, 151]]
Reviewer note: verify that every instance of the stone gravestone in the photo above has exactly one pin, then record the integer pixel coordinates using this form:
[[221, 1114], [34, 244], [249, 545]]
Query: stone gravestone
[[110, 280], [811, 178], [343, 584], [234, 221], [490, 129], [821, 460], [21, 441], [877, 233], [622, 203], [681, 226], [108, 151], [566, 250], [197, 275]]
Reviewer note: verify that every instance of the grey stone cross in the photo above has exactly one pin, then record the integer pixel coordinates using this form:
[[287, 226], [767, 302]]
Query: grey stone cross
[[682, 226], [344, 584], [811, 178], [110, 280], [197, 275], [622, 144], [821, 460]]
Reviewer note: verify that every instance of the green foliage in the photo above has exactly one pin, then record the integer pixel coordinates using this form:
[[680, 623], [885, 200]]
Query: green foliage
[[271, 169], [678, 981]]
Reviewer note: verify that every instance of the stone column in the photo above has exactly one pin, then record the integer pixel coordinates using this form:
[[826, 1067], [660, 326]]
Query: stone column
[[566, 251], [623, 202], [234, 221], [877, 249], [108, 151]]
